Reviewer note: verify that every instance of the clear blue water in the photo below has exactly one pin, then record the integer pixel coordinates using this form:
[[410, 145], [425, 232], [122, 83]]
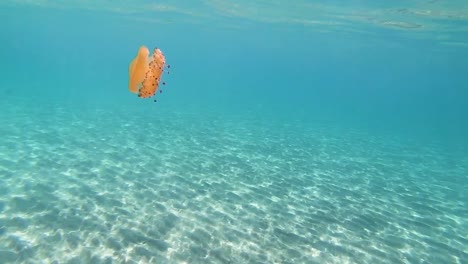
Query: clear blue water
[[313, 132]]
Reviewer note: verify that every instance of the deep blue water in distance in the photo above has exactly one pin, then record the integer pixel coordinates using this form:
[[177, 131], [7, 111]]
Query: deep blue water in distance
[[277, 139]]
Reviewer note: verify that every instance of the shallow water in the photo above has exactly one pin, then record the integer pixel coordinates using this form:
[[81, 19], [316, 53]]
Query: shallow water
[[279, 138]]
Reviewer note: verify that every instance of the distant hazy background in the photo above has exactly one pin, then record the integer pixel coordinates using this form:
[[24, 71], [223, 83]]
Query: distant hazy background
[[400, 66]]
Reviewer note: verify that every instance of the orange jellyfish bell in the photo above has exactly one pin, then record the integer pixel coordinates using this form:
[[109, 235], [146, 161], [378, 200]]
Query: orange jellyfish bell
[[145, 72]]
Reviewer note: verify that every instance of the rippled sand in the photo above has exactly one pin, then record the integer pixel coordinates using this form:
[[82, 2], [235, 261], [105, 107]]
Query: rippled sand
[[110, 187]]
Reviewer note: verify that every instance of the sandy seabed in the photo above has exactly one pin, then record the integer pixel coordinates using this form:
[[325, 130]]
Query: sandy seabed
[[110, 187]]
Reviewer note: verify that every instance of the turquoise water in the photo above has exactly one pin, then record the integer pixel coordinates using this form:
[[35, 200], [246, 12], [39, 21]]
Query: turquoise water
[[313, 132]]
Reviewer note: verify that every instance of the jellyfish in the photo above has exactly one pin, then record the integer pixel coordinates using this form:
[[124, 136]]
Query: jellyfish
[[145, 72]]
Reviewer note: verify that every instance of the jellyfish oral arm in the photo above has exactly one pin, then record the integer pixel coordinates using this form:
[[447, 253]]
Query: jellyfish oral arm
[[145, 72]]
